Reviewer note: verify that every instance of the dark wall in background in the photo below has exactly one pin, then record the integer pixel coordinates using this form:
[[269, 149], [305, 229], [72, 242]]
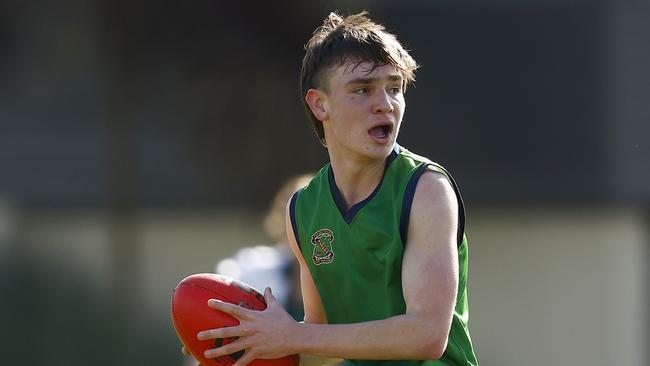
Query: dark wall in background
[[196, 103]]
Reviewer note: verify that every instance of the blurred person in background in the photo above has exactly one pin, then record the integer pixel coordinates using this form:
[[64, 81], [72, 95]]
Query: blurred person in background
[[274, 265]]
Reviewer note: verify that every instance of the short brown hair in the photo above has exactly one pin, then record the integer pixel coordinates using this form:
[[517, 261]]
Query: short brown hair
[[355, 37]]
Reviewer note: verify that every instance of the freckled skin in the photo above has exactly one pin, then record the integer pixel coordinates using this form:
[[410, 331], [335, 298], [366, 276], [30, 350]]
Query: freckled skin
[[358, 100]]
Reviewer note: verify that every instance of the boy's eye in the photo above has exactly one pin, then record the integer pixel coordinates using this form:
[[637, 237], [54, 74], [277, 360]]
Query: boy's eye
[[396, 90], [363, 90]]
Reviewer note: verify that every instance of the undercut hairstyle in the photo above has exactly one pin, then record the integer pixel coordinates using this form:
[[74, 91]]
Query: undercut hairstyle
[[354, 38]]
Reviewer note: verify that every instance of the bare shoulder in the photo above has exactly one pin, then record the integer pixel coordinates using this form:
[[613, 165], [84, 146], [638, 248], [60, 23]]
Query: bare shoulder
[[434, 192], [434, 212]]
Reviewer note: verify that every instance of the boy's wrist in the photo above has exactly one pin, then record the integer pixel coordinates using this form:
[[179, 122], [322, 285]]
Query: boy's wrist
[[297, 338]]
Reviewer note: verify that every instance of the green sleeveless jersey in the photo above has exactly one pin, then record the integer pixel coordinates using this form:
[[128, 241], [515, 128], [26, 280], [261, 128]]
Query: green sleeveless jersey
[[355, 255]]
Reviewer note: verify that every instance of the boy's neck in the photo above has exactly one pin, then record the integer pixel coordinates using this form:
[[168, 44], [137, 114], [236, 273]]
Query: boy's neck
[[355, 179]]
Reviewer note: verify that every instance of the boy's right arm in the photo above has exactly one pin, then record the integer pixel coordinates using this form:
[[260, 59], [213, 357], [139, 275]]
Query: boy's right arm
[[314, 311], [313, 306]]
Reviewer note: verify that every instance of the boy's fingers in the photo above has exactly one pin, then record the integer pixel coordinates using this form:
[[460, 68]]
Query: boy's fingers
[[228, 308]]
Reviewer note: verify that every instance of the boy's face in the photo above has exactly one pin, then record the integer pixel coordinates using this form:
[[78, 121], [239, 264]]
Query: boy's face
[[363, 109]]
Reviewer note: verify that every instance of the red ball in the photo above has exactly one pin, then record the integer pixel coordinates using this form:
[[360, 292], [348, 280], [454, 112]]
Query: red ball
[[191, 314]]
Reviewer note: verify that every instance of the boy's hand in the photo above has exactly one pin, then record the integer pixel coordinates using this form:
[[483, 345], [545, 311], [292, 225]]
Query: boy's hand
[[266, 334]]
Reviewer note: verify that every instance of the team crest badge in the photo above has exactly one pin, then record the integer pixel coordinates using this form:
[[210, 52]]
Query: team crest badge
[[322, 241]]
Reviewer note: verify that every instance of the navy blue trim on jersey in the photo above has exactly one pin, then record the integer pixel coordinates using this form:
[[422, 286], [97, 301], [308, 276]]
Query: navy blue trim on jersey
[[461, 207], [348, 214], [407, 202], [292, 216]]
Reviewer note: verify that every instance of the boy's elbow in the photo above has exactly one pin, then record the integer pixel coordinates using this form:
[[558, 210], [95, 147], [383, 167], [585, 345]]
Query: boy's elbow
[[431, 339], [434, 348], [438, 349]]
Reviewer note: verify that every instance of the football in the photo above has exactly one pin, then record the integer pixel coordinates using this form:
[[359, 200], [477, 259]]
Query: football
[[191, 314]]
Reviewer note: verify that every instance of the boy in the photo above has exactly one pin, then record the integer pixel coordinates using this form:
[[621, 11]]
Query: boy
[[378, 232]]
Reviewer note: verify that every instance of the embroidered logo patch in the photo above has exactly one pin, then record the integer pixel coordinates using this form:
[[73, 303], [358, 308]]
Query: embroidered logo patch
[[322, 241]]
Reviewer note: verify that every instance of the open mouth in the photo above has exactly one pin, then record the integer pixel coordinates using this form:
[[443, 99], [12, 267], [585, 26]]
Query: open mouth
[[381, 131]]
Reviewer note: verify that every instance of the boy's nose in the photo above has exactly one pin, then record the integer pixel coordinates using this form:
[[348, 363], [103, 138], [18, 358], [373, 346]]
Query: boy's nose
[[383, 103]]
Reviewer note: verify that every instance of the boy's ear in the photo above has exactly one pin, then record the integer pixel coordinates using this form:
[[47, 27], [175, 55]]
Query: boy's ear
[[316, 101]]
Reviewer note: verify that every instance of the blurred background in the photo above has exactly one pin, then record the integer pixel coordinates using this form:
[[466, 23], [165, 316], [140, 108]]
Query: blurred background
[[141, 142]]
